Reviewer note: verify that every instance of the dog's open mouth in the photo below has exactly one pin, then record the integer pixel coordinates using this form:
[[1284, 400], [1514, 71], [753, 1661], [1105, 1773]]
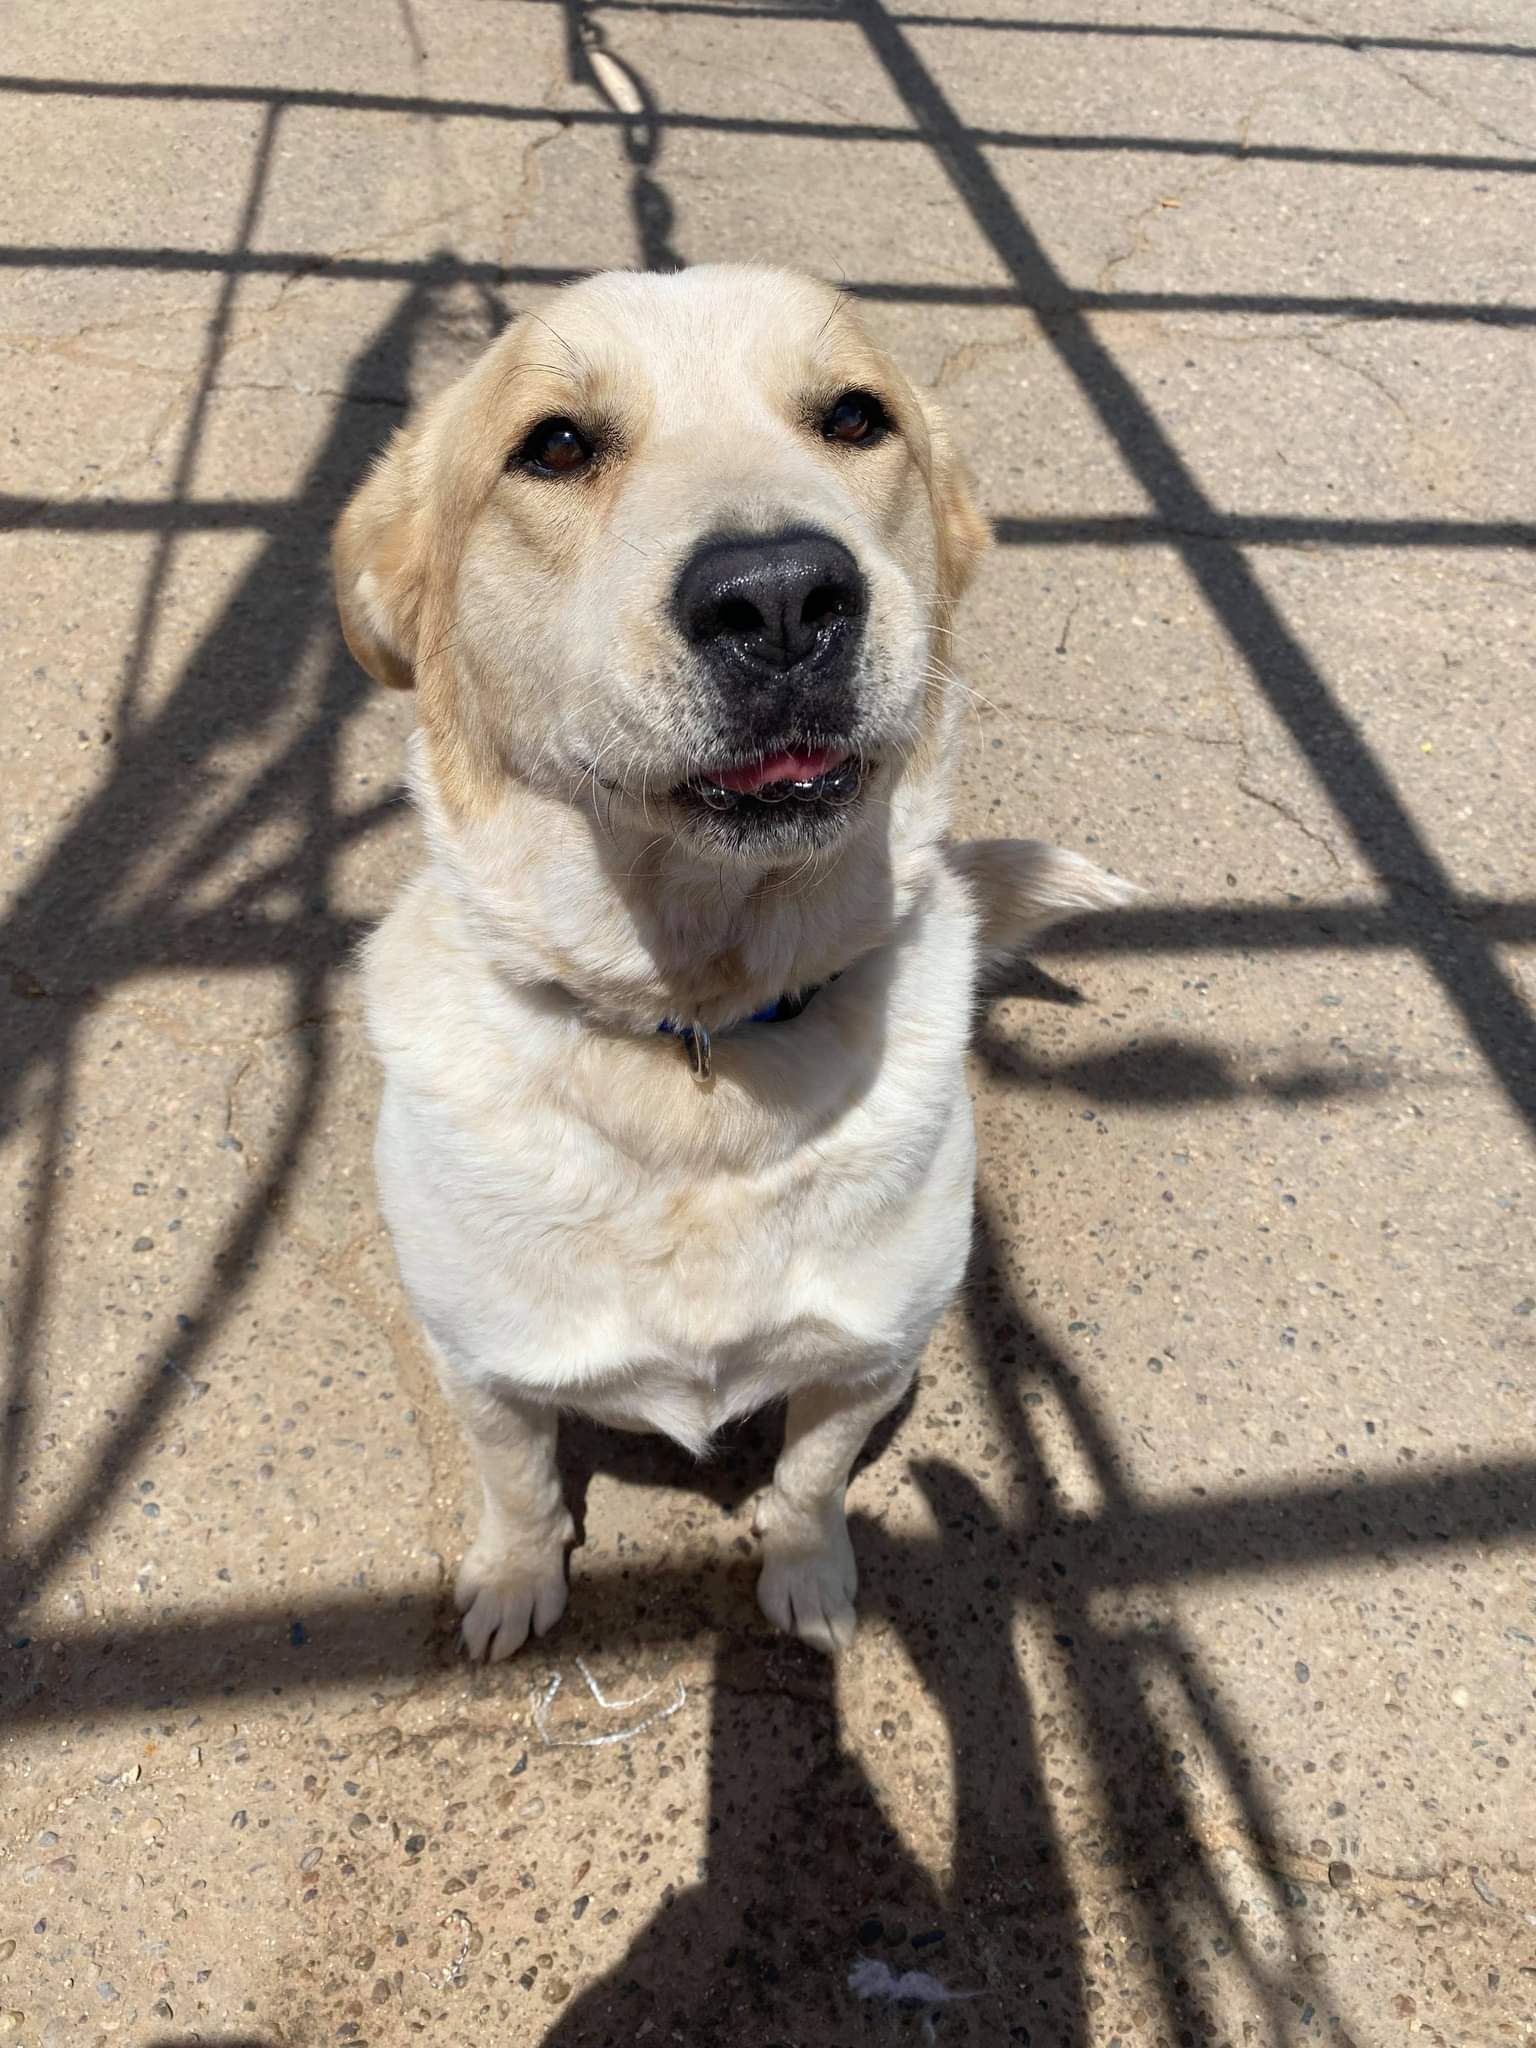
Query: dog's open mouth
[[829, 777]]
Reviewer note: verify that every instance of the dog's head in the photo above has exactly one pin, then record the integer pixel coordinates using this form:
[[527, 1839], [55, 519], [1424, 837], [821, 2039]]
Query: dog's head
[[678, 548]]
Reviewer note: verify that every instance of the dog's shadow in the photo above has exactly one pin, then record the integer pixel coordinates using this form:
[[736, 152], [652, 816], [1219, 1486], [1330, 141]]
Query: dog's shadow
[[812, 1919]]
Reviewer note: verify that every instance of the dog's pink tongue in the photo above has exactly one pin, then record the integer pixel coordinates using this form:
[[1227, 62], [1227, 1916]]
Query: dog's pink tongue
[[777, 768]]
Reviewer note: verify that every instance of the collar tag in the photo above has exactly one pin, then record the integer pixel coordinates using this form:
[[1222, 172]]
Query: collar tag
[[694, 1039], [696, 1044]]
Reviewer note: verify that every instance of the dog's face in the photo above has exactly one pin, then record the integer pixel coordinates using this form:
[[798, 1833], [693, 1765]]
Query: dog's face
[[677, 550]]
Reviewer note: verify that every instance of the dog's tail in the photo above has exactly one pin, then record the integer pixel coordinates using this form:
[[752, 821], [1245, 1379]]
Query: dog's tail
[[1022, 885]]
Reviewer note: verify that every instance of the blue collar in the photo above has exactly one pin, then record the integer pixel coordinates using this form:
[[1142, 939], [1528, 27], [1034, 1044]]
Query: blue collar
[[695, 1040]]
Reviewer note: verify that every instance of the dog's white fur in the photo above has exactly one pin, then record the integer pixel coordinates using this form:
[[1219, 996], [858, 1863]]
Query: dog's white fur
[[580, 1225]]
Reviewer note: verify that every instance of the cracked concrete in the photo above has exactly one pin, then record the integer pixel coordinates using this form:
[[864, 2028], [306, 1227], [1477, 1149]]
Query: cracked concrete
[[1193, 1698], [1449, 102]]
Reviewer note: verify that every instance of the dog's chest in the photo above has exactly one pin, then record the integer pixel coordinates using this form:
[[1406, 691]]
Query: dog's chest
[[672, 1303], [698, 1309], [698, 1273]]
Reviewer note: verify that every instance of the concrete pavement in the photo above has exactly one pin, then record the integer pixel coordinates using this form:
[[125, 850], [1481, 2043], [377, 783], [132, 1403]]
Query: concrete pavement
[[1194, 1696]]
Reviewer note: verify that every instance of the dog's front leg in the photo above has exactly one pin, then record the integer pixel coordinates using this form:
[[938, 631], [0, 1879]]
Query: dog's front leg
[[513, 1576], [809, 1577]]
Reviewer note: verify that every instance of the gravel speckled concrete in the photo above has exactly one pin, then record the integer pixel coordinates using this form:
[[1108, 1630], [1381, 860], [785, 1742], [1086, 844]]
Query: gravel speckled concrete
[[1194, 1696]]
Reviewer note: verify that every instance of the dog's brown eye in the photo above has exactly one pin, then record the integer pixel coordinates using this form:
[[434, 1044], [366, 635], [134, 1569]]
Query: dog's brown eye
[[857, 418], [555, 448]]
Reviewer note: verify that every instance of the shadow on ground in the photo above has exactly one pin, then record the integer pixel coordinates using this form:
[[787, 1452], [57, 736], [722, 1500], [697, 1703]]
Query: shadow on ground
[[806, 1874], [70, 944], [807, 1880]]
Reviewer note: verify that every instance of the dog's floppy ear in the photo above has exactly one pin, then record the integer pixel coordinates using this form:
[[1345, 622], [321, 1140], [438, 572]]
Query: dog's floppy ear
[[962, 533], [378, 557]]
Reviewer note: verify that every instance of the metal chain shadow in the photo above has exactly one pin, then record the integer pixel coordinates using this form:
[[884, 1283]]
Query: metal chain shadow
[[590, 62]]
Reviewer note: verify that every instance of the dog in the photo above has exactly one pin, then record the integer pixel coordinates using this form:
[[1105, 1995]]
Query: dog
[[673, 1020]]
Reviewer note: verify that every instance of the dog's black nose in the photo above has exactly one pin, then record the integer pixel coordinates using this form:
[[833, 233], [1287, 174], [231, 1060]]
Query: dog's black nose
[[773, 607]]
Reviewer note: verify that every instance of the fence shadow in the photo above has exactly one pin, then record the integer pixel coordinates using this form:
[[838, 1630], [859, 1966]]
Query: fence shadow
[[272, 663], [808, 1874]]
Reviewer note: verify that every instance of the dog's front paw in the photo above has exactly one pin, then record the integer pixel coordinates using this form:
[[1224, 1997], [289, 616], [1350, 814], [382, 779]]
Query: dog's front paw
[[502, 1598], [809, 1577]]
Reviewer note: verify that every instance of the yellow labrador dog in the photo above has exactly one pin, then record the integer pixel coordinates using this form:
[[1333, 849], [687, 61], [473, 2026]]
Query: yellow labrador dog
[[673, 1020]]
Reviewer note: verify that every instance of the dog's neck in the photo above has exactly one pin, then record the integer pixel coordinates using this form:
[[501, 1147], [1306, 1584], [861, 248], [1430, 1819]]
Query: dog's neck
[[636, 927]]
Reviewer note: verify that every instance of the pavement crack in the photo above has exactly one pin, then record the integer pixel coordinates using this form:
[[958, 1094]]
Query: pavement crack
[[72, 348], [291, 387], [794, 88], [1284, 810], [37, 511], [231, 1095], [968, 354], [316, 269], [1136, 226], [1106, 730], [27, 985], [1436, 1890], [1403, 76], [1246, 786], [1314, 345], [529, 187], [1446, 104]]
